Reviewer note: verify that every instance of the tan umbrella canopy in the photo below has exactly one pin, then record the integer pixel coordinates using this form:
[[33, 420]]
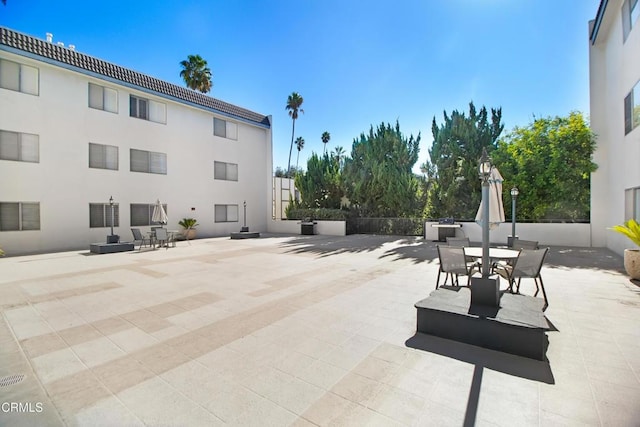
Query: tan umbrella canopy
[[159, 215], [496, 208]]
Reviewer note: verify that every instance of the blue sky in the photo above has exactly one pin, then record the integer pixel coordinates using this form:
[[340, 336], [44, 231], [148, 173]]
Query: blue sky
[[355, 63]]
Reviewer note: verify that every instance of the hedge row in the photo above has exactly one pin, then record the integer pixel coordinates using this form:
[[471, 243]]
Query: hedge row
[[318, 213]]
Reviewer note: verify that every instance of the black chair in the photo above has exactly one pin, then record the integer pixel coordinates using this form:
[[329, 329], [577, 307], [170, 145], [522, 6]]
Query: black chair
[[453, 263], [139, 237], [528, 265]]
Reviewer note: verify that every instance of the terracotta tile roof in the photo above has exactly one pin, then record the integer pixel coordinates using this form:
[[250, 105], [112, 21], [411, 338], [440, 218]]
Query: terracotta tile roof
[[85, 62]]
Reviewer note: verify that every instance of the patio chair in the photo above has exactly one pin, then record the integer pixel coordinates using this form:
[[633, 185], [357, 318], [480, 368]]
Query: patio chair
[[525, 244], [458, 242], [139, 237], [162, 236], [527, 266], [453, 263]]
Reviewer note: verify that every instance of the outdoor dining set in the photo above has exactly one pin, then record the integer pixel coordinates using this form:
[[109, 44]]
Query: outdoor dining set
[[523, 260]]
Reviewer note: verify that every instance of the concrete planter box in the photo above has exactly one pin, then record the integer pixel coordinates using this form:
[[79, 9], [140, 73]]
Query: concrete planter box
[[632, 263]]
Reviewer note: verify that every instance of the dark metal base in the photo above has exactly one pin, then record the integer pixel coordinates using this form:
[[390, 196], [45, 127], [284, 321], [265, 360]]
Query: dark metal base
[[510, 240], [109, 248], [307, 229], [485, 291], [517, 326], [113, 238], [245, 235], [244, 229]]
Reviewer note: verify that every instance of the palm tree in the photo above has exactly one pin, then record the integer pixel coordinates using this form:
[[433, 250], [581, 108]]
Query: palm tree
[[299, 146], [196, 74], [325, 138], [294, 101]]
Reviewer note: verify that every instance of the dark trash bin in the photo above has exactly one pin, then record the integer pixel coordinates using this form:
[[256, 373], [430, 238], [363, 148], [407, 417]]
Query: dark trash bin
[[307, 228]]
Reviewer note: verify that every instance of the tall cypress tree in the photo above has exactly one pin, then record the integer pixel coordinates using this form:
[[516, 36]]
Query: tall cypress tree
[[452, 173]]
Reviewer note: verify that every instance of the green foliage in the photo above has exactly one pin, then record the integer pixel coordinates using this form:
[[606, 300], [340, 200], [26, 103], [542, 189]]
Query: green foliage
[[196, 74], [550, 163], [378, 178], [631, 229], [320, 186], [317, 213], [188, 223], [452, 184]]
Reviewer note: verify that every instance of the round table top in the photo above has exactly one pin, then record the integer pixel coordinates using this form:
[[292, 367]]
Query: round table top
[[495, 253]]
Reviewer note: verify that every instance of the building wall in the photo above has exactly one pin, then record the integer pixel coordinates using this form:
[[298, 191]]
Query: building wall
[[284, 189], [64, 185], [614, 69]]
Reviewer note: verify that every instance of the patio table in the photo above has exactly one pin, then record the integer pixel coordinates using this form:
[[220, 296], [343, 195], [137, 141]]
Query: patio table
[[495, 254]]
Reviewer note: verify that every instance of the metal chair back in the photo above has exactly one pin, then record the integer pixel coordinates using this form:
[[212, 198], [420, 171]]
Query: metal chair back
[[458, 242], [525, 244], [453, 263]]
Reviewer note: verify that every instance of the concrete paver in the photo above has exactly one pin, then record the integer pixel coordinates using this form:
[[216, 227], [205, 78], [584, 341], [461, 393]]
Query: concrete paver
[[300, 330]]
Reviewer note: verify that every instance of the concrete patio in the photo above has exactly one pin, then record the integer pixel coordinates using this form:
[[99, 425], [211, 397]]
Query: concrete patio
[[300, 330]]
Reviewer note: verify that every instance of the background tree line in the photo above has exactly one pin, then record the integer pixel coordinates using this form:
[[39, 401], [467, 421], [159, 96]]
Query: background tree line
[[549, 160]]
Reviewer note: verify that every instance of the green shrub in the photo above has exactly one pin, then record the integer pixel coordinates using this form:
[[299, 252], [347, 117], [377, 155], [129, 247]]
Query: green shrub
[[317, 214]]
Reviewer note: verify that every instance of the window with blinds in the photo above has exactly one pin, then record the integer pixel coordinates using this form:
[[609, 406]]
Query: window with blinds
[[19, 216], [226, 213], [147, 109], [21, 147], [100, 215], [632, 109], [148, 162], [103, 156], [141, 214], [19, 77], [225, 129], [225, 171], [103, 98]]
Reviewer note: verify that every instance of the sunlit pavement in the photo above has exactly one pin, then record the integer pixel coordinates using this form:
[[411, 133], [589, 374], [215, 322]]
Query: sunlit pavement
[[299, 330]]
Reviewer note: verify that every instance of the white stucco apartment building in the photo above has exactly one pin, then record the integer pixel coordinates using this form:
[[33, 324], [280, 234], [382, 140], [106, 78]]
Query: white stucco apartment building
[[614, 67], [76, 130]]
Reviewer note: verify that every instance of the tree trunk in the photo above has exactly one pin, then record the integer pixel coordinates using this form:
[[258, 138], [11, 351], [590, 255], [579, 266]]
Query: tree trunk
[[293, 131]]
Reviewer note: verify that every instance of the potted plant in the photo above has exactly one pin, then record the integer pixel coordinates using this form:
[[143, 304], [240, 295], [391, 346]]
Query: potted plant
[[189, 225], [631, 229]]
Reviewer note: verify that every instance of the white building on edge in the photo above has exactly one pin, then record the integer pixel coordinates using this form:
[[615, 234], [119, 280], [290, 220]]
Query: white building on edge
[[76, 130], [614, 68]]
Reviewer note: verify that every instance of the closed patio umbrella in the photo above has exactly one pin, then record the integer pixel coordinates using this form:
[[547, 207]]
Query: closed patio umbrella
[[496, 208], [159, 214]]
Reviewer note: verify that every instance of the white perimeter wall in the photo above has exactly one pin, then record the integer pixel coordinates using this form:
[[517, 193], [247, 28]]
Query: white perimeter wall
[[64, 185], [546, 234], [614, 69]]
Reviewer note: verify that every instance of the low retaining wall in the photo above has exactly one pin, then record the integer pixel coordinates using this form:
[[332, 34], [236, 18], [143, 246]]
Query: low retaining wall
[[553, 234], [325, 228]]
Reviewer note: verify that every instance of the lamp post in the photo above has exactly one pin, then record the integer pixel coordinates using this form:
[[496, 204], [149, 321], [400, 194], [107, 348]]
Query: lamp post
[[485, 290], [485, 172], [514, 196], [245, 229], [111, 204]]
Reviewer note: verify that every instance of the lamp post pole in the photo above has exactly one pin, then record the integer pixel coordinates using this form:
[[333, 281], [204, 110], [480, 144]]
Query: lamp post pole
[[245, 214], [111, 204], [514, 196], [485, 173]]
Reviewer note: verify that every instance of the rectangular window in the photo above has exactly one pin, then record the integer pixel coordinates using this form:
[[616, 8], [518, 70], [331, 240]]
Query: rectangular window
[[226, 213], [632, 204], [100, 215], [19, 77], [148, 162], [19, 216], [21, 147], [225, 129], [141, 214], [225, 171], [147, 110], [630, 13], [103, 156], [632, 109], [103, 98]]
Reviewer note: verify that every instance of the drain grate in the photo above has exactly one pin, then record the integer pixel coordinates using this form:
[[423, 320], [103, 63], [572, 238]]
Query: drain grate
[[11, 380]]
